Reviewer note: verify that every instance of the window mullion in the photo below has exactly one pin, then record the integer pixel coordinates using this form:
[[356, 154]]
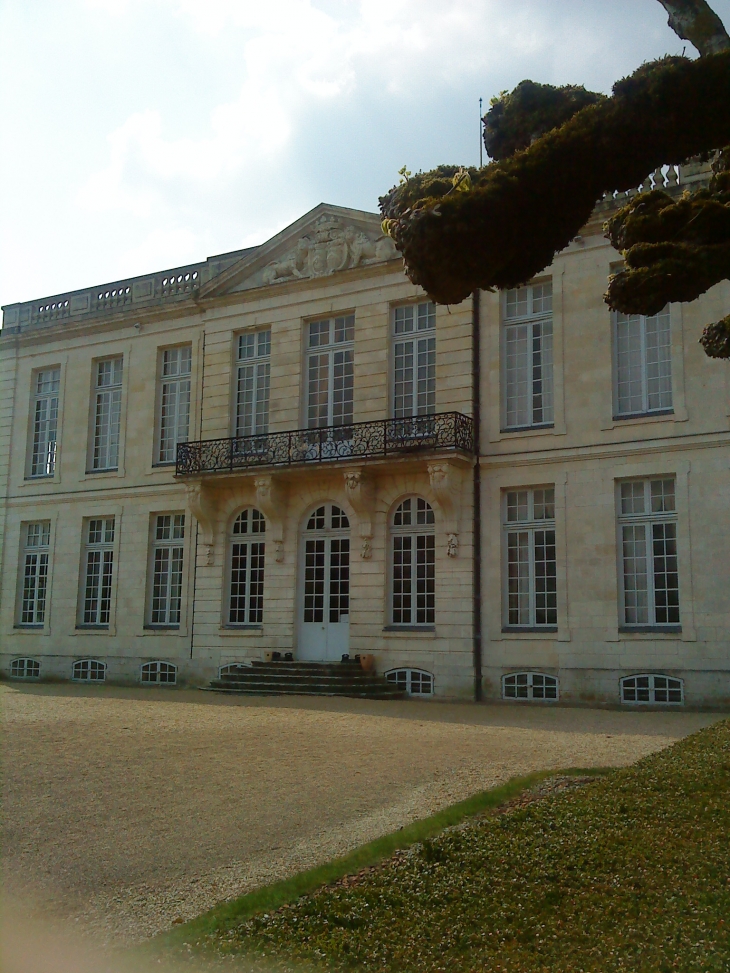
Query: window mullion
[[246, 545], [531, 555], [644, 375], [531, 356]]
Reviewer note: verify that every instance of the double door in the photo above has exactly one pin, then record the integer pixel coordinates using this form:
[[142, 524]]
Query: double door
[[324, 629]]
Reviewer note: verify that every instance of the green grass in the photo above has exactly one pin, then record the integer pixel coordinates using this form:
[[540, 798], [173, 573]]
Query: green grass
[[629, 874], [220, 920]]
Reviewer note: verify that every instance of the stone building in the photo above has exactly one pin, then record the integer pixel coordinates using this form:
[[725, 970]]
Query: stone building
[[273, 451]]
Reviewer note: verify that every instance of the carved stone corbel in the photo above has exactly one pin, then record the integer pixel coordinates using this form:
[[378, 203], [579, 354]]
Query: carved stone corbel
[[271, 500], [201, 503], [360, 492], [446, 485]]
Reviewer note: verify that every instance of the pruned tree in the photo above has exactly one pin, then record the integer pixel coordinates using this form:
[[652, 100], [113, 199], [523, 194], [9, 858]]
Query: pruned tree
[[556, 152]]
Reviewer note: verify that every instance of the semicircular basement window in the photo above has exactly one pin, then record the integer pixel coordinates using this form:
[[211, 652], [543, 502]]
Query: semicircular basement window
[[415, 682], [89, 670], [25, 669], [529, 685], [159, 673], [652, 687]]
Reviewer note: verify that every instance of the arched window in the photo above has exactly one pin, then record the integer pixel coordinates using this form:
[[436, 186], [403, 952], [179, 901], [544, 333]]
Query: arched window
[[327, 565], [413, 553], [25, 669], [233, 669], [416, 682], [159, 672], [247, 551], [89, 670], [651, 687], [529, 685]]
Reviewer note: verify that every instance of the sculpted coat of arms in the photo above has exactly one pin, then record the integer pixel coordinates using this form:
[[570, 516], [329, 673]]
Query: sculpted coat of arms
[[331, 247]]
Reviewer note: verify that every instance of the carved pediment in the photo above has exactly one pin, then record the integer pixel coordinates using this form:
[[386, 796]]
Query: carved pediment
[[326, 241], [331, 246]]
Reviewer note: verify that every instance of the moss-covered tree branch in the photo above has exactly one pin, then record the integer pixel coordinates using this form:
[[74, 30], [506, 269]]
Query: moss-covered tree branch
[[524, 208], [695, 21], [674, 250]]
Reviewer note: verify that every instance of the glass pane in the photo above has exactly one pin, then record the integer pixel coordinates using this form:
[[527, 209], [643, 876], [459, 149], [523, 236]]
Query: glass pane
[[632, 497], [517, 375], [666, 576], [662, 496], [629, 363], [516, 303], [402, 579], [634, 553], [517, 505], [403, 319], [658, 361], [518, 578], [546, 599]]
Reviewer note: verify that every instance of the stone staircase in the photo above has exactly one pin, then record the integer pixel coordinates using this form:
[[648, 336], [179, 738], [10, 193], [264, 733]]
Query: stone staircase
[[305, 679]]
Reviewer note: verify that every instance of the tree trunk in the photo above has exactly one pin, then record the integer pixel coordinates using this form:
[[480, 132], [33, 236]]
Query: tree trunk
[[695, 21]]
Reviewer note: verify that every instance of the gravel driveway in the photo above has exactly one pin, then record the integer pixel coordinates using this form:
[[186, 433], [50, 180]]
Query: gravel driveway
[[128, 810]]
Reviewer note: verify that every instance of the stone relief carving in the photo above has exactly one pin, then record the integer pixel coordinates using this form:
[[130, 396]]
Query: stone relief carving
[[271, 501], [331, 247], [361, 494], [445, 482], [203, 508]]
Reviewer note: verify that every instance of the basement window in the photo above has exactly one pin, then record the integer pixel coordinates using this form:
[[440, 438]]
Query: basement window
[[529, 685], [415, 682], [89, 670], [25, 669], [156, 673], [651, 688]]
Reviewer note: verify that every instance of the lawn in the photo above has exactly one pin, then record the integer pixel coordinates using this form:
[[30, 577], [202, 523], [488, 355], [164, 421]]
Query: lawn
[[630, 873]]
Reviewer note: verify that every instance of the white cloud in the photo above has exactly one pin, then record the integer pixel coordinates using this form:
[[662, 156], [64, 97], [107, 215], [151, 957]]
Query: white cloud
[[183, 128], [294, 57]]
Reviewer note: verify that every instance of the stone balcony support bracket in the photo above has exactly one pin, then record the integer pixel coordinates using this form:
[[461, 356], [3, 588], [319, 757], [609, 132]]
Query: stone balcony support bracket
[[271, 500], [360, 492], [201, 503], [446, 483]]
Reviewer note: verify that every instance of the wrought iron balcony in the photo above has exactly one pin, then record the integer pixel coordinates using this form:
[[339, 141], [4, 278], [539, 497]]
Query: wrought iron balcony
[[329, 444]]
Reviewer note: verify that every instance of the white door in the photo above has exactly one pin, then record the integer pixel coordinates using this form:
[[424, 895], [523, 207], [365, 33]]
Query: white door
[[324, 629]]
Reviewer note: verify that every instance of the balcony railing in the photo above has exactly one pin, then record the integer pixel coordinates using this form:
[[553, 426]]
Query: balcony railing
[[328, 444]]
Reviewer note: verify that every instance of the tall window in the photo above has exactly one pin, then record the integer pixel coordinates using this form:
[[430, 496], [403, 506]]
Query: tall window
[[246, 601], [413, 563], [643, 363], [174, 401], [99, 564], [414, 360], [46, 387], [35, 556], [252, 383], [107, 414], [330, 371], [528, 356], [167, 569], [529, 528], [648, 529]]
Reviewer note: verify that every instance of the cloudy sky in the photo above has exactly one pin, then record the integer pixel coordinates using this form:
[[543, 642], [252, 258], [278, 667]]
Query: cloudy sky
[[138, 135]]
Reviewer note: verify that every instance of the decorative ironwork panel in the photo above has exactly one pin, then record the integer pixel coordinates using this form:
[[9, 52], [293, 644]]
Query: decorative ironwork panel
[[359, 440]]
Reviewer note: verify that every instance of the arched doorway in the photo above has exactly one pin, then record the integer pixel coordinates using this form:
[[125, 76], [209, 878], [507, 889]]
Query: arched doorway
[[324, 573]]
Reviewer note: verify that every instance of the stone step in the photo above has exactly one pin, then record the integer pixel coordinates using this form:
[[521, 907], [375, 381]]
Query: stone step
[[335, 669], [306, 678], [286, 691], [301, 685]]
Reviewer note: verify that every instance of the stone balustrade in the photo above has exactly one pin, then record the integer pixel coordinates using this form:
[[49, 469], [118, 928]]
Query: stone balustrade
[[159, 288]]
